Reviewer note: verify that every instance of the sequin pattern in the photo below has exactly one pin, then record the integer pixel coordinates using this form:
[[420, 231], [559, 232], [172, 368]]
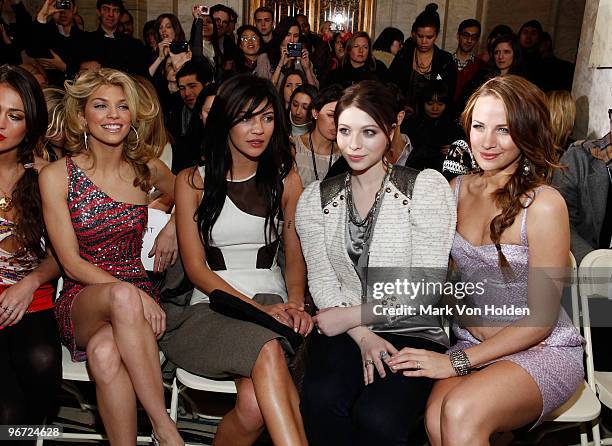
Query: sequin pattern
[[14, 266], [109, 235], [556, 363]]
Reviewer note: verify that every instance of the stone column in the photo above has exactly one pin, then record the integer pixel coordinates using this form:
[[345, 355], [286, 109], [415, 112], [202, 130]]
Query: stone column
[[592, 86]]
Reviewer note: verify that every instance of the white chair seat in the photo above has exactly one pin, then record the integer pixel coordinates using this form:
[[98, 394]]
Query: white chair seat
[[208, 385], [73, 371], [603, 383], [583, 406]]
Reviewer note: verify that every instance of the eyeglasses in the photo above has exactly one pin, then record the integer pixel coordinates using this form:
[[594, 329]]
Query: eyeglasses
[[470, 36], [249, 39]]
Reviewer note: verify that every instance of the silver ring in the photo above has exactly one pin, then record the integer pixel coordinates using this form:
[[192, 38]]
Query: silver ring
[[419, 366], [369, 362], [277, 316], [384, 355]]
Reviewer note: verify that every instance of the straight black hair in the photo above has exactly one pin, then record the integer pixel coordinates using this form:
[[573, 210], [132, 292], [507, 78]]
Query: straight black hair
[[237, 99]]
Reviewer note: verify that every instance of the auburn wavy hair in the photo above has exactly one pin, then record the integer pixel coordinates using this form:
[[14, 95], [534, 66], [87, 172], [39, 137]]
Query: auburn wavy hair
[[528, 121], [141, 145], [28, 219]]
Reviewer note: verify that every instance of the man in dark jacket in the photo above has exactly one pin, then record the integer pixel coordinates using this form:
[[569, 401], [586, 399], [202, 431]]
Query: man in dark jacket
[[113, 49], [55, 41], [191, 80]]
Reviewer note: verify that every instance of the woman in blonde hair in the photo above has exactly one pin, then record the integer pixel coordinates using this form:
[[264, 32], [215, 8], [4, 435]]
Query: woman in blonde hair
[[95, 207], [562, 108], [506, 370]]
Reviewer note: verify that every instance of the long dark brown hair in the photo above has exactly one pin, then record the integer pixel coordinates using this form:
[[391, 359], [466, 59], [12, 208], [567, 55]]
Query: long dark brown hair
[[28, 219], [529, 125], [374, 98]]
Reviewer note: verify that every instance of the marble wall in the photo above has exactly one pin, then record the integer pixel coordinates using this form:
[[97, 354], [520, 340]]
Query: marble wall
[[561, 18], [592, 86]]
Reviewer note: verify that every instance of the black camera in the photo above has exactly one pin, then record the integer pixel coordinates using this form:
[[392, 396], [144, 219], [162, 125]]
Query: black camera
[[294, 49], [63, 4], [204, 10], [179, 47]]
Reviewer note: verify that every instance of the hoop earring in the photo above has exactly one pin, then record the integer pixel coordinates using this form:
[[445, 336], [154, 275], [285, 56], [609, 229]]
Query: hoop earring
[[137, 138], [526, 166], [85, 138]]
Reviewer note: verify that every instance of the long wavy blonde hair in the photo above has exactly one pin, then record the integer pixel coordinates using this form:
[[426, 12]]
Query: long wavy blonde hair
[[140, 145]]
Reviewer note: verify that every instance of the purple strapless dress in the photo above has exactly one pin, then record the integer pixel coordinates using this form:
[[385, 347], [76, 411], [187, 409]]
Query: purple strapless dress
[[555, 364]]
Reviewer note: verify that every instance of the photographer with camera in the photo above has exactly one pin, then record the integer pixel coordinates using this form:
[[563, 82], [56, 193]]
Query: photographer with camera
[[288, 52], [55, 38], [171, 54]]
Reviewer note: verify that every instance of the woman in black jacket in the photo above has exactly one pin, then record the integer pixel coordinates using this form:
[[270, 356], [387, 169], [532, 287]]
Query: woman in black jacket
[[421, 60]]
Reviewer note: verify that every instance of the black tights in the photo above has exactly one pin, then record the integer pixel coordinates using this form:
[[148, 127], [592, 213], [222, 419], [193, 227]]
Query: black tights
[[339, 410], [30, 369]]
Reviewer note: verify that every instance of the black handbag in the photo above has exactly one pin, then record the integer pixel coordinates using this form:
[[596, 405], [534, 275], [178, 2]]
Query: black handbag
[[231, 306]]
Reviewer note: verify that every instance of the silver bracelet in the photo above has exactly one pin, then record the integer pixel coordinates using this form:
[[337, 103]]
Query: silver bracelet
[[460, 362]]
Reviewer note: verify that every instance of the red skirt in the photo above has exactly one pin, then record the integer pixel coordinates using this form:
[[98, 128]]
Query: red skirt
[[42, 300]]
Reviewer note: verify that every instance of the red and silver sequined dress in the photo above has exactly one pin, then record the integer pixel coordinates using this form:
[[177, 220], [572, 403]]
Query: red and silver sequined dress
[[109, 234]]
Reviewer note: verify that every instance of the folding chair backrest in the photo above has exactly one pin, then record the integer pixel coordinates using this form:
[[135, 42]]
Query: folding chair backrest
[[593, 282]]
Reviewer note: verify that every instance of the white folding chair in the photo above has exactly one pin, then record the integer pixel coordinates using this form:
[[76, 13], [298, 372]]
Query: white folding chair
[[77, 371], [594, 280], [583, 406], [183, 380]]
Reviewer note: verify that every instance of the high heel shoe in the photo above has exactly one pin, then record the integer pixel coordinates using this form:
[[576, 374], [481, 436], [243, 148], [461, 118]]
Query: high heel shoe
[[154, 439]]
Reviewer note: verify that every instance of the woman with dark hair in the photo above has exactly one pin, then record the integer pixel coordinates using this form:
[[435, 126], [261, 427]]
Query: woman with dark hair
[[421, 60], [95, 200], [195, 135], [250, 59], [163, 63], [288, 32], [504, 58], [167, 29], [337, 49], [352, 227], [316, 150], [433, 128], [204, 103], [300, 104], [204, 40], [149, 36], [497, 31], [31, 370], [291, 80], [231, 212], [513, 236], [358, 63], [387, 45]]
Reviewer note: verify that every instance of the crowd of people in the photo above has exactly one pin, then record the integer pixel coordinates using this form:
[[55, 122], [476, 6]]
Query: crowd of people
[[295, 166]]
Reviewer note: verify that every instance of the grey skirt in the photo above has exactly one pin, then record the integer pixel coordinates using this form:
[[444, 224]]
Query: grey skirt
[[209, 344]]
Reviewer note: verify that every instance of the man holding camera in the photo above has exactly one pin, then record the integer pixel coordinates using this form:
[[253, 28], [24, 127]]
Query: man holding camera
[[55, 38]]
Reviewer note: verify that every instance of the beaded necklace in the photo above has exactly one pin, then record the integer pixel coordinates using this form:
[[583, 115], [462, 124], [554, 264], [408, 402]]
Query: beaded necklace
[[350, 207]]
